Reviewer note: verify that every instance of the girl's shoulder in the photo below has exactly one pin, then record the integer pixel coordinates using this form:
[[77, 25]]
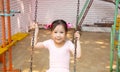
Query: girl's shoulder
[[69, 42], [69, 45], [48, 43]]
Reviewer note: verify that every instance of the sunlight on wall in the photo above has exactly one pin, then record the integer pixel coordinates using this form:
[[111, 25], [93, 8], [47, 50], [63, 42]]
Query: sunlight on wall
[[22, 6], [49, 16], [18, 22], [30, 17]]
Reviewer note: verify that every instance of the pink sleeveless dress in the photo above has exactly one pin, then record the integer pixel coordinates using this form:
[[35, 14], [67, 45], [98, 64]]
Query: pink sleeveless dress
[[59, 58]]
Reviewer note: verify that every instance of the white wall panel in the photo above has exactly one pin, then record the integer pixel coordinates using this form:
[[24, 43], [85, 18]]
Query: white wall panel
[[21, 21], [100, 12], [49, 10]]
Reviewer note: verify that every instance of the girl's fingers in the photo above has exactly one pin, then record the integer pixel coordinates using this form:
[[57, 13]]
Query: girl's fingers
[[77, 34]]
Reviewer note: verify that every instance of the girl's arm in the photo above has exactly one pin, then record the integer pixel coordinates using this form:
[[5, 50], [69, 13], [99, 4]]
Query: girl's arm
[[78, 49], [36, 43]]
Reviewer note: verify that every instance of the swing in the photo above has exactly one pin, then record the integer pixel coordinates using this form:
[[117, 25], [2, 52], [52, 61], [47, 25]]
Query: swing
[[79, 20], [35, 21], [77, 29]]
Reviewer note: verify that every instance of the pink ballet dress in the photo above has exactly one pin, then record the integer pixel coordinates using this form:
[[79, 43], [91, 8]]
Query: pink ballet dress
[[59, 58]]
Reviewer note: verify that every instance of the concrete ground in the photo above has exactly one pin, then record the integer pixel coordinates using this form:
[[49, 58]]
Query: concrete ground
[[95, 53]]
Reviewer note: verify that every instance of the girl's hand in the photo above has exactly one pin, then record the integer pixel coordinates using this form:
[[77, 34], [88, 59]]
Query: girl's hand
[[77, 35], [35, 32], [33, 25]]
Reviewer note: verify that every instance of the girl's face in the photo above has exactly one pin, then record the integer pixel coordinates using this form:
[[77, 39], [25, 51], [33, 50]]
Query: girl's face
[[59, 34]]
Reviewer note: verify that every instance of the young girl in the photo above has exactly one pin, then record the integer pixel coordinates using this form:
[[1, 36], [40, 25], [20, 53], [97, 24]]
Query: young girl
[[59, 47]]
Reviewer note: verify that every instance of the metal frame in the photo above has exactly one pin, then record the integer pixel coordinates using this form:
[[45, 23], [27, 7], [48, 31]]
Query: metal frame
[[115, 40], [7, 15]]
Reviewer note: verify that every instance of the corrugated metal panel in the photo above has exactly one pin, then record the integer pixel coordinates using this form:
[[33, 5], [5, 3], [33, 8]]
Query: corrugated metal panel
[[49, 10], [100, 12], [20, 21]]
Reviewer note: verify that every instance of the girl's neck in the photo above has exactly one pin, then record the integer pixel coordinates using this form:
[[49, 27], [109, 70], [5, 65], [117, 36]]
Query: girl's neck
[[59, 45]]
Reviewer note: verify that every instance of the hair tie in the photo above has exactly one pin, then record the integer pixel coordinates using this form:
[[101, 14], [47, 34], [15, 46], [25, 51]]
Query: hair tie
[[69, 25], [47, 26]]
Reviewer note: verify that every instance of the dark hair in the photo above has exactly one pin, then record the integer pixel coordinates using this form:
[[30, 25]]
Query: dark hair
[[59, 22]]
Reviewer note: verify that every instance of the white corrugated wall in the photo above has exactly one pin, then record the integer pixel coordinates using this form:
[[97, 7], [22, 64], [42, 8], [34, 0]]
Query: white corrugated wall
[[100, 12], [20, 21], [49, 10]]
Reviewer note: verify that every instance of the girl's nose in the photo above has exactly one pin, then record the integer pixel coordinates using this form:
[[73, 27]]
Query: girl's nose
[[58, 34]]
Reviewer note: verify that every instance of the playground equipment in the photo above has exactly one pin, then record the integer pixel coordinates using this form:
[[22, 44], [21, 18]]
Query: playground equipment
[[35, 21], [7, 43], [110, 1], [79, 20], [83, 13], [115, 40]]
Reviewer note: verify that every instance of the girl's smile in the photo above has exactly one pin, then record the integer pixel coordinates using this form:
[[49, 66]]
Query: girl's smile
[[59, 35]]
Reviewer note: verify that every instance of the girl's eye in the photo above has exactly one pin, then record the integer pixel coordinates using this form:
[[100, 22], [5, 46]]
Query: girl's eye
[[61, 32], [55, 32]]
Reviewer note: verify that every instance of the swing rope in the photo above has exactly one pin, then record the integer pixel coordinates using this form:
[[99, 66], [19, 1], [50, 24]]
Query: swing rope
[[77, 29], [77, 16], [35, 21]]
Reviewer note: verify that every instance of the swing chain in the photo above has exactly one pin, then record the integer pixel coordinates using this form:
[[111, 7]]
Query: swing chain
[[77, 17], [35, 21], [75, 55], [36, 7]]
